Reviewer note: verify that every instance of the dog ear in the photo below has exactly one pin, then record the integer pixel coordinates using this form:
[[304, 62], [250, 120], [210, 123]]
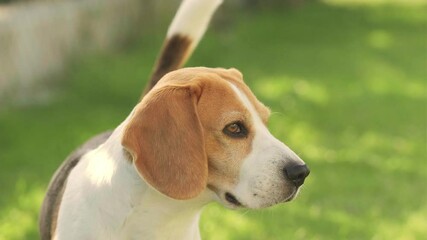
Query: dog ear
[[165, 138]]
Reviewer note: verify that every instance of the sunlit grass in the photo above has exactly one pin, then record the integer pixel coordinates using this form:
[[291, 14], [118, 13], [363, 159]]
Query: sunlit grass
[[375, 2], [18, 218], [347, 88]]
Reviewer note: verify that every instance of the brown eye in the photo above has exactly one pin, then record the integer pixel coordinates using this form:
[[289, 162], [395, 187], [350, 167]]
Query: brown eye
[[236, 130]]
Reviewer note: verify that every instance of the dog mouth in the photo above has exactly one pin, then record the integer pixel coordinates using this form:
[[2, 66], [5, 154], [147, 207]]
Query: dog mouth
[[233, 201], [230, 198], [291, 197]]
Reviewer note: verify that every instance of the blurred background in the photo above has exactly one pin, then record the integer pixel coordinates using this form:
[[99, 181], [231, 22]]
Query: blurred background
[[346, 80]]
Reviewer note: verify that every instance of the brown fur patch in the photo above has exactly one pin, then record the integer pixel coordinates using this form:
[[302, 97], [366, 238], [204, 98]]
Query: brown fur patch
[[218, 107], [262, 110]]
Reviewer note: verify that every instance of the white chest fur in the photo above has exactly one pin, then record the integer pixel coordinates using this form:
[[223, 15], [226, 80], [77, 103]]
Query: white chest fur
[[105, 198]]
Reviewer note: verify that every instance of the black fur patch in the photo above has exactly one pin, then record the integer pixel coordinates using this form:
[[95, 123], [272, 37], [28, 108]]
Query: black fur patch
[[174, 53]]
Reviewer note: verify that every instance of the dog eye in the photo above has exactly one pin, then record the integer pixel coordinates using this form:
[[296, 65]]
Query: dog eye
[[236, 130]]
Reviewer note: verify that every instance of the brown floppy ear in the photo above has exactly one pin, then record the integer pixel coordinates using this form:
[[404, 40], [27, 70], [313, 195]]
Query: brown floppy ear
[[165, 138]]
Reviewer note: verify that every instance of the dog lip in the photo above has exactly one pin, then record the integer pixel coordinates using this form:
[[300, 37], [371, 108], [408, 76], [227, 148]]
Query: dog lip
[[232, 199], [291, 196]]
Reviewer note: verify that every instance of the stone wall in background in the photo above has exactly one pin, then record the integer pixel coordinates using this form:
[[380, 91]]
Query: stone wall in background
[[37, 38]]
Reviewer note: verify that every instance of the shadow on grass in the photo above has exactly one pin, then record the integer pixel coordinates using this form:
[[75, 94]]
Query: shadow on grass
[[347, 86]]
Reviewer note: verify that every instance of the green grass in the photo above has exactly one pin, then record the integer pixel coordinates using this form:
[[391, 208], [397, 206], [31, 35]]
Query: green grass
[[347, 85]]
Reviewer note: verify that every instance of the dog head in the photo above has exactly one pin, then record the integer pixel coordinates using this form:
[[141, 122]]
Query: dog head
[[203, 128]]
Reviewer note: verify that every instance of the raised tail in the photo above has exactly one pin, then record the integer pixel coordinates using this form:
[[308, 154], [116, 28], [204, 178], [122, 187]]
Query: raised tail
[[186, 30]]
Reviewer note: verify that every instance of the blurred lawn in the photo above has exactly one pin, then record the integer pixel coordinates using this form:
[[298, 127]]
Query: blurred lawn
[[348, 88]]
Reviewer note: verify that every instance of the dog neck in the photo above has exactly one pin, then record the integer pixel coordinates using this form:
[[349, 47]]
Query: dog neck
[[157, 217], [148, 212]]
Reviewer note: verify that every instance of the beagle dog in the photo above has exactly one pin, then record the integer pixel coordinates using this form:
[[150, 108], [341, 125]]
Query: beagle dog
[[199, 135]]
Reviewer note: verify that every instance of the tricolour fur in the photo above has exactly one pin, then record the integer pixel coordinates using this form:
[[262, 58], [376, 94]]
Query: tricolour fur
[[152, 176], [198, 136], [182, 38]]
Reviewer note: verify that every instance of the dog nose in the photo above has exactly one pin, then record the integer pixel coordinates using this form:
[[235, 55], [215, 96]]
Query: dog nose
[[296, 173]]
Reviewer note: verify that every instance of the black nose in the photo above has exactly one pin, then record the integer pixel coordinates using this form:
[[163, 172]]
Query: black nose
[[296, 173]]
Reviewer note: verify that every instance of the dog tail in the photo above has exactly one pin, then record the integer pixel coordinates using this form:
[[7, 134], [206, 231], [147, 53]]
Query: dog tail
[[186, 30]]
